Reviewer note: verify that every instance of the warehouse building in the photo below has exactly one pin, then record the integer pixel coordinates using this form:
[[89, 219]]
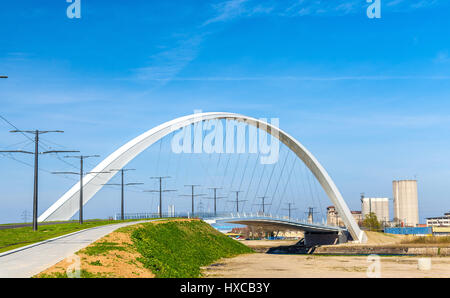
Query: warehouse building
[[443, 221], [379, 206]]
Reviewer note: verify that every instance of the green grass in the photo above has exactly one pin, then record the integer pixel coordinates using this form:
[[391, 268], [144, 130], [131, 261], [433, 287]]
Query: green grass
[[101, 248], [180, 249], [18, 237], [96, 263], [83, 274]]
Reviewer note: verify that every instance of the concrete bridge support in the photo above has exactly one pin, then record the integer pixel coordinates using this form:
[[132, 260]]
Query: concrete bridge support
[[325, 238]]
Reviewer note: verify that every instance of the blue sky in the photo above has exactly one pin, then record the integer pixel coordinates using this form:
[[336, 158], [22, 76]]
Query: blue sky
[[369, 97]]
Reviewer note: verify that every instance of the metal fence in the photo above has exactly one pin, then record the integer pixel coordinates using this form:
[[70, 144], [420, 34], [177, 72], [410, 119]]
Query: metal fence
[[409, 231], [145, 215]]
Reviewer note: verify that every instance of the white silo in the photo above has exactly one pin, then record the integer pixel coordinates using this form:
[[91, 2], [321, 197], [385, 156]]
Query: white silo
[[379, 206], [406, 202]]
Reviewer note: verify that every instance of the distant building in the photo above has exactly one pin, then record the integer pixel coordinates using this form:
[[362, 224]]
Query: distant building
[[357, 215], [253, 232], [441, 231], [406, 204], [333, 218], [443, 221], [379, 206]]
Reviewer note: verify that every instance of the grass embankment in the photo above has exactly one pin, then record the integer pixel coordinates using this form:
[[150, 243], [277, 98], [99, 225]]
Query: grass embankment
[[18, 237], [180, 249], [173, 248], [427, 240]]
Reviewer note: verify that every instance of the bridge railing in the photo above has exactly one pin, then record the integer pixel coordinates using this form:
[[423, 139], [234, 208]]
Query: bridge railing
[[268, 216], [218, 216], [149, 215]]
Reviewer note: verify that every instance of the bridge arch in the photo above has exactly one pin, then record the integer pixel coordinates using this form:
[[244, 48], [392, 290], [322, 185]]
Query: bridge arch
[[68, 204]]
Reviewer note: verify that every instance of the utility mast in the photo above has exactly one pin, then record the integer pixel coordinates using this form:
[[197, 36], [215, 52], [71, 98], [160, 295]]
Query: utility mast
[[215, 198], [81, 173], [237, 201], [263, 203], [36, 154], [123, 184], [290, 209], [193, 195], [160, 191]]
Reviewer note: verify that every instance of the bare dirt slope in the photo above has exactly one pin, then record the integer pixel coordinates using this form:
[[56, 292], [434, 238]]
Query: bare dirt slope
[[309, 266], [111, 256]]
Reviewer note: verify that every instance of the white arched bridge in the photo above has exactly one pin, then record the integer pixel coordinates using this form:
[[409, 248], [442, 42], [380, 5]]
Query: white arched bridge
[[68, 204]]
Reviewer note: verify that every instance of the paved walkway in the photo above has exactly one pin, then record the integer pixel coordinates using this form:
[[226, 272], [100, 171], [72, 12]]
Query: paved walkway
[[30, 260]]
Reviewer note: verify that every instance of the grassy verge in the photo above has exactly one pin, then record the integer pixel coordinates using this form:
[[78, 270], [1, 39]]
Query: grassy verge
[[18, 237], [179, 249], [427, 240]]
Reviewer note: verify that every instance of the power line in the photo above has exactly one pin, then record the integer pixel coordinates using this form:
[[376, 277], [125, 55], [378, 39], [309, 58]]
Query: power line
[[237, 201], [289, 209], [263, 203], [123, 184], [36, 153], [81, 173], [41, 141], [13, 126], [192, 195], [310, 213], [215, 198], [160, 178]]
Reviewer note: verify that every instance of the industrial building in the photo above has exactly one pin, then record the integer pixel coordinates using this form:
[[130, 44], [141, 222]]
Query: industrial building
[[333, 218], [406, 208], [406, 203], [379, 206], [443, 221]]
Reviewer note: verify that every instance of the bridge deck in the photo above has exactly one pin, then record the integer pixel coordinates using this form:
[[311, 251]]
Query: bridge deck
[[276, 223]]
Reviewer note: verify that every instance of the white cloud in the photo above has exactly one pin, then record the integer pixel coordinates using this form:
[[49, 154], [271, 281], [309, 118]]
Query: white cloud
[[233, 9], [164, 65], [442, 57]]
